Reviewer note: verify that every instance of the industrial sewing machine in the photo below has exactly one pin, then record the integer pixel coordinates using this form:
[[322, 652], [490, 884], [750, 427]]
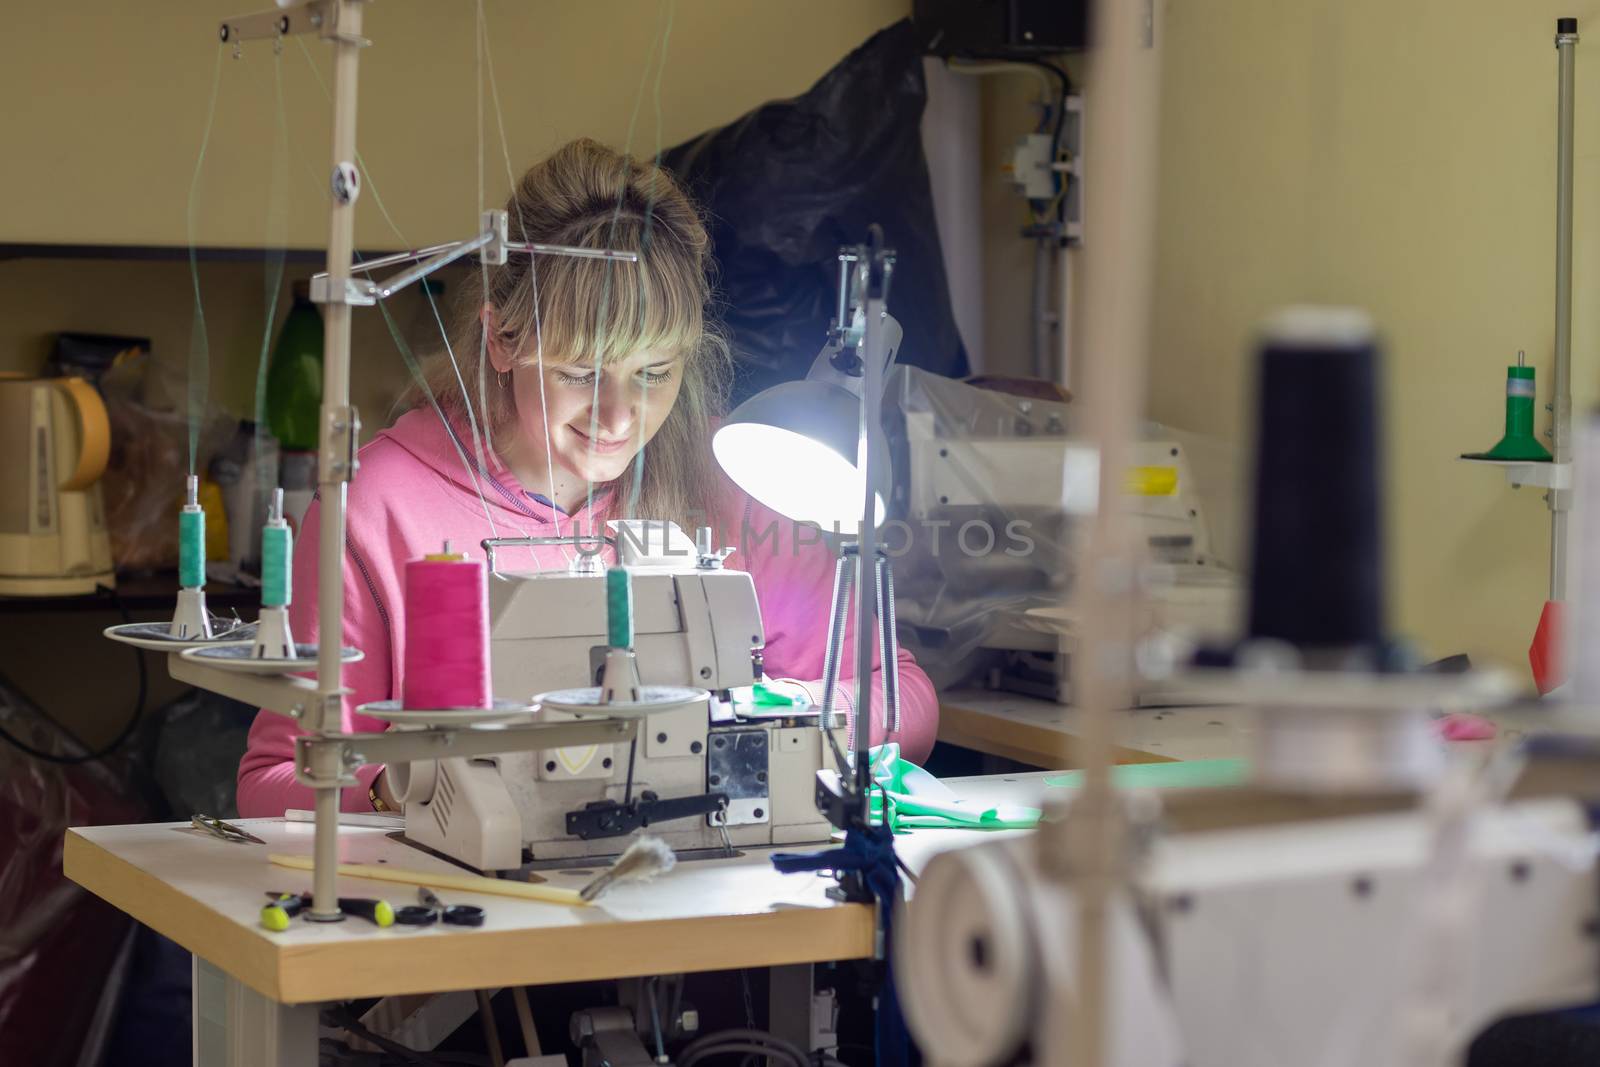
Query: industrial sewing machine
[[1011, 468], [702, 774], [1265, 929]]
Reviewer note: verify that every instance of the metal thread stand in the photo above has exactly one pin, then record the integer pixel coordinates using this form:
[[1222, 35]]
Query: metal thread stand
[[326, 757], [1560, 499], [844, 579], [1090, 852]]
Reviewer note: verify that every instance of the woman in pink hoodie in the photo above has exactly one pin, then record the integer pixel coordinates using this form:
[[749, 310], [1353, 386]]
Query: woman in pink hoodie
[[589, 361]]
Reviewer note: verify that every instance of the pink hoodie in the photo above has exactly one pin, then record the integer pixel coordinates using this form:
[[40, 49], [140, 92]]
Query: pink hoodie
[[413, 492]]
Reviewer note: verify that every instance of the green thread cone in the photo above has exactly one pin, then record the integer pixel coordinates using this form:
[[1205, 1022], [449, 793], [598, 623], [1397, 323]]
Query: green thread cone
[[1519, 443], [619, 608], [191, 548]]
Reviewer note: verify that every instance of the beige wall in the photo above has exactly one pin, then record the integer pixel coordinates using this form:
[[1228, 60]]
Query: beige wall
[[1399, 157], [106, 104], [106, 152], [1395, 156]]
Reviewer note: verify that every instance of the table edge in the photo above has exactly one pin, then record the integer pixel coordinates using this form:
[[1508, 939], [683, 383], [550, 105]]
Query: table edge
[[147, 899], [1025, 742], [391, 965]]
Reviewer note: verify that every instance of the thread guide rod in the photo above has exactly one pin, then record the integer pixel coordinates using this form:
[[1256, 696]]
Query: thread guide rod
[[339, 426], [328, 756], [493, 241], [1560, 500]]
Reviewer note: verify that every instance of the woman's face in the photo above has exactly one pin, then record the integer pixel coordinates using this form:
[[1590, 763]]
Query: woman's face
[[594, 433]]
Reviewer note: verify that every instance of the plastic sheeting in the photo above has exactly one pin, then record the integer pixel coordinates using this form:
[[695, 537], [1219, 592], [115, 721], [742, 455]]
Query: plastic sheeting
[[202, 738], [59, 945], [983, 547], [143, 486], [789, 183], [951, 598]]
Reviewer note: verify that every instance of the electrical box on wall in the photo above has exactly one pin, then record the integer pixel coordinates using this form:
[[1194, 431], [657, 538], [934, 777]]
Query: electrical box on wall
[[998, 28]]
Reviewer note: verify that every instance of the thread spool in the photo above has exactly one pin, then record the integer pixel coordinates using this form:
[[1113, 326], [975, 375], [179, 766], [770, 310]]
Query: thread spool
[[447, 633], [1317, 555], [277, 550], [1519, 444], [619, 608], [192, 538]]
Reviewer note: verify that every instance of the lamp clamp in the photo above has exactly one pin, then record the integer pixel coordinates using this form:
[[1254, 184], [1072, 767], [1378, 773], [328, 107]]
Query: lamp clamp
[[864, 274]]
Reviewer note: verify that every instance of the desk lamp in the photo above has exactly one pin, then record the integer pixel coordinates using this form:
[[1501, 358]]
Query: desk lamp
[[796, 447], [814, 451]]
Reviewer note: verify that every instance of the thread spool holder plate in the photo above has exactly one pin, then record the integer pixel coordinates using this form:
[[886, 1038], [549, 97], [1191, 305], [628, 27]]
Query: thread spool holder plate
[[153, 637], [653, 700], [503, 711], [1349, 690], [236, 655], [1543, 475]]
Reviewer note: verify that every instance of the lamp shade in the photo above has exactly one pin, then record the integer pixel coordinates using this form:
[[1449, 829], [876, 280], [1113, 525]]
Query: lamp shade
[[793, 448]]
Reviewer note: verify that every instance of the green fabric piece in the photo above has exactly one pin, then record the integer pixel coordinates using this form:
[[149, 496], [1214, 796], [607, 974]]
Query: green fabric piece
[[763, 696], [765, 700], [1178, 774], [914, 798]]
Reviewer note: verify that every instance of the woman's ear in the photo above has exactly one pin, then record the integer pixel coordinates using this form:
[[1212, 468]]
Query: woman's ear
[[499, 358]]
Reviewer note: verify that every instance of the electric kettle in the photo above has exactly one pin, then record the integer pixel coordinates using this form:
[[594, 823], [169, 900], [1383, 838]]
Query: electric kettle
[[55, 439]]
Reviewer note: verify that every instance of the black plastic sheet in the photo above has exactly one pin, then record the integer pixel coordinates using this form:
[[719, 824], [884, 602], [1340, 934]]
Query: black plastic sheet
[[792, 181]]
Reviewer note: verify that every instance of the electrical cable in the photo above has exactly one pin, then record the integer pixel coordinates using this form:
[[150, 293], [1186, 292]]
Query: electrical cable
[[1061, 110], [770, 1053], [655, 1018], [958, 66], [749, 1008], [1066, 91], [748, 1041], [122, 736]]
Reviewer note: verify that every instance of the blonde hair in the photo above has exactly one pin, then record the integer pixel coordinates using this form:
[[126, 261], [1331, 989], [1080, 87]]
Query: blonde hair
[[580, 310]]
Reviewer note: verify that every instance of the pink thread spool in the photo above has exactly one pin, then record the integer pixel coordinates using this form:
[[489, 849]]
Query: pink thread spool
[[447, 633]]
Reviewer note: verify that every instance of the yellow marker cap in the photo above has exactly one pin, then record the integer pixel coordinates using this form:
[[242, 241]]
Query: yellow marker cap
[[274, 918]]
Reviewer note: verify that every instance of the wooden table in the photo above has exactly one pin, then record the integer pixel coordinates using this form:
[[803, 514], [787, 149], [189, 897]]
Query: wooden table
[[256, 994], [1044, 734]]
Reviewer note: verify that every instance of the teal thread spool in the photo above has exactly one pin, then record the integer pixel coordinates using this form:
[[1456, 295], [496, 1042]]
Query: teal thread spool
[[192, 539], [277, 554], [619, 608], [277, 549], [1520, 443]]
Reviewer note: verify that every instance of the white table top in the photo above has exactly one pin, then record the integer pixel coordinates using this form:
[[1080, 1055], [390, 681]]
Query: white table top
[[1043, 733], [207, 894]]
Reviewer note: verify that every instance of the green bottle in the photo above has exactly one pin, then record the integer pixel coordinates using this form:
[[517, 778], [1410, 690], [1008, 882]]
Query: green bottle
[[294, 376]]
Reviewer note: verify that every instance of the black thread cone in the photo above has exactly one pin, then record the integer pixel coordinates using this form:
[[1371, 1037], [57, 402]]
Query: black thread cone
[[1317, 559]]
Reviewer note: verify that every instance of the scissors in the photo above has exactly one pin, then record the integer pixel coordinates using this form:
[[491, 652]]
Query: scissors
[[433, 910], [225, 830]]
